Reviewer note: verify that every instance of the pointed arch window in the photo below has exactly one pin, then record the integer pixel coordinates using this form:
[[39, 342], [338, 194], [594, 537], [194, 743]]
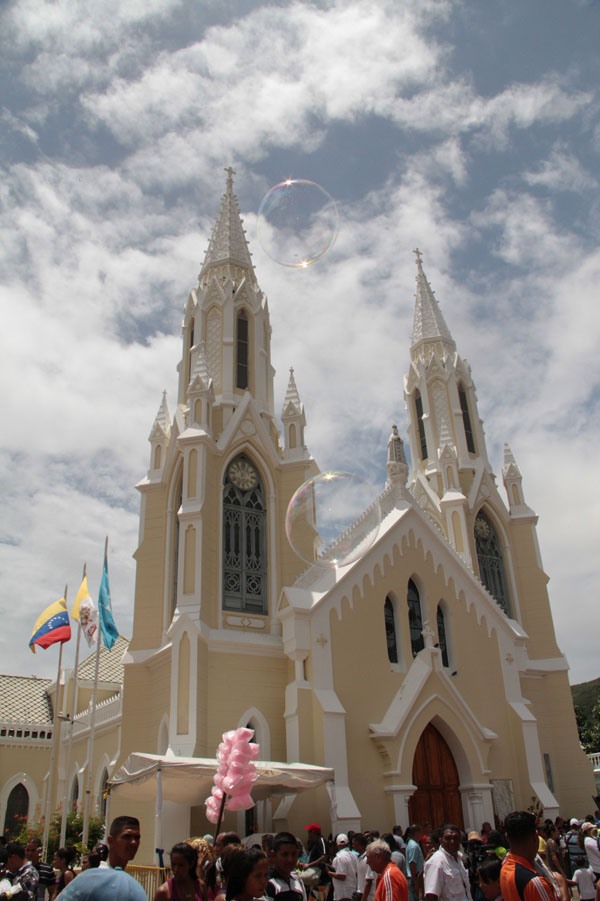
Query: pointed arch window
[[17, 810], [244, 539], [442, 637], [390, 630], [491, 563], [415, 619], [420, 425], [242, 350], [188, 355], [175, 510], [466, 417], [75, 793], [103, 799]]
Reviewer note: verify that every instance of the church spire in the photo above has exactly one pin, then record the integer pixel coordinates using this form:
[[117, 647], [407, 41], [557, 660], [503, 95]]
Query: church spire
[[162, 421], [291, 394], [228, 242], [294, 422], [428, 324], [513, 483], [159, 439], [446, 435]]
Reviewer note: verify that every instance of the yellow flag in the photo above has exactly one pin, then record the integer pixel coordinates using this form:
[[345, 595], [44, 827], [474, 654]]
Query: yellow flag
[[82, 594]]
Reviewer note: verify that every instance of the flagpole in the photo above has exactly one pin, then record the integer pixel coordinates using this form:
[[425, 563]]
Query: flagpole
[[90, 755], [65, 805], [53, 751]]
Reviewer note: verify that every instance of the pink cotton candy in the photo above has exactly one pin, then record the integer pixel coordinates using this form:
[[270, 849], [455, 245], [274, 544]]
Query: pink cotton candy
[[243, 802], [236, 773]]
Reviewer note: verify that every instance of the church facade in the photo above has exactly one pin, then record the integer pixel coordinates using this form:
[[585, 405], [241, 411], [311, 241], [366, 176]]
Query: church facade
[[426, 673]]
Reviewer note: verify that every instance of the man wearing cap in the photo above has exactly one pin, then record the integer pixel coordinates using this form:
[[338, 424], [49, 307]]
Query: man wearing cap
[[591, 846], [572, 845], [343, 870], [317, 852]]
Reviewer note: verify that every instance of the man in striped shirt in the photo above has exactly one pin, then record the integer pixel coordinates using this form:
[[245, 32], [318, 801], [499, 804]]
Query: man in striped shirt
[[519, 880], [391, 881], [33, 851]]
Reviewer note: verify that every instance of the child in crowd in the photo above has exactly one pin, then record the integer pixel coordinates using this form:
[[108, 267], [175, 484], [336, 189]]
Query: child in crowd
[[488, 873], [284, 884], [584, 879], [248, 874]]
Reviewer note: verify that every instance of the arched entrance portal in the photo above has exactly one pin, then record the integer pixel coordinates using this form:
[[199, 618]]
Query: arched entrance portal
[[437, 798]]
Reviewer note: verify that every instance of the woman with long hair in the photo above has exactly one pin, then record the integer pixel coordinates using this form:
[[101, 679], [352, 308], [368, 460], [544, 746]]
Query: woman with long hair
[[183, 884], [248, 874], [62, 862]]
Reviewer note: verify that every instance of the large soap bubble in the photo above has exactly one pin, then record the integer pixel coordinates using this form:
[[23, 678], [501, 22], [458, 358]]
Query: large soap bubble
[[333, 519], [297, 222]]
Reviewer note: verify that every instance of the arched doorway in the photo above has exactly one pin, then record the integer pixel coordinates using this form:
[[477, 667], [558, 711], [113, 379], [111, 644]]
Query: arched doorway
[[17, 809], [437, 798]]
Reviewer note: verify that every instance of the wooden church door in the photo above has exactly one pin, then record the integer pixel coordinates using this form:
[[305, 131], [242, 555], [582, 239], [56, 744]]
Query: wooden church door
[[437, 798]]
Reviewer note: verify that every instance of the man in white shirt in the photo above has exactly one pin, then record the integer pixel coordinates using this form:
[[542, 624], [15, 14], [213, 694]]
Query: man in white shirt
[[591, 846], [344, 870], [445, 876], [366, 878]]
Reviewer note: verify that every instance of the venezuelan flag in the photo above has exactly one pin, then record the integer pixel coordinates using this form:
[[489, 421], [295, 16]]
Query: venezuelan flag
[[51, 626]]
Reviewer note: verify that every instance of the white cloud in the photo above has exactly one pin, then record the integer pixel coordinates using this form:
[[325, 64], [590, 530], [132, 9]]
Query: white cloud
[[562, 171]]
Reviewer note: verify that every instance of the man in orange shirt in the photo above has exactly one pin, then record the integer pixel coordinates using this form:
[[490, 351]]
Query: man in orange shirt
[[391, 881], [519, 880]]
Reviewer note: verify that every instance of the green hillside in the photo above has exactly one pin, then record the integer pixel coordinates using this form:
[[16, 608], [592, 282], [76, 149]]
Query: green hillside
[[586, 698]]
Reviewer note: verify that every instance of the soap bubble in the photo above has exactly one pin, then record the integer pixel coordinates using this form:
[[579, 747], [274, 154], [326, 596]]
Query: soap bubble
[[333, 519], [297, 223]]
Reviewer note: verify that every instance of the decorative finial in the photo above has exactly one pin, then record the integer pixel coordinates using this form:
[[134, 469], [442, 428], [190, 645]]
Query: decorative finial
[[230, 173], [419, 256], [397, 468]]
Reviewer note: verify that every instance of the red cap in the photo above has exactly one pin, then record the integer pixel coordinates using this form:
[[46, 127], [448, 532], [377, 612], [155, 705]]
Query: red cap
[[313, 827]]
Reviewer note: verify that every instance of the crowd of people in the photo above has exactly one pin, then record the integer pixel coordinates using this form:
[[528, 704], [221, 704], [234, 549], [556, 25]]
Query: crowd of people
[[519, 860], [102, 876]]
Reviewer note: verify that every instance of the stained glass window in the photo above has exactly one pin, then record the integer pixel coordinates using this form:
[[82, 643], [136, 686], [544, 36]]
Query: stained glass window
[[390, 630], [415, 619], [491, 564], [244, 540]]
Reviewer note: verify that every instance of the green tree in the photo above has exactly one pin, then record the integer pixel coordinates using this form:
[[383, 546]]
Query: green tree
[[73, 833], [588, 725]]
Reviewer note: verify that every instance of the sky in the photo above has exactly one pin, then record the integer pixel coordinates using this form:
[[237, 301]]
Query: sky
[[470, 130]]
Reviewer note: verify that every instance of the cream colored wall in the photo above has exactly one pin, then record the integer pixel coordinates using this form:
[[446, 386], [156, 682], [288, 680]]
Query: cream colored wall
[[237, 682], [146, 697], [366, 683], [551, 702], [535, 613], [150, 571]]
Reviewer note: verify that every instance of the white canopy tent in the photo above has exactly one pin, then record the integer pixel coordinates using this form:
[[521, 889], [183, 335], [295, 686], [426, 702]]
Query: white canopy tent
[[189, 780]]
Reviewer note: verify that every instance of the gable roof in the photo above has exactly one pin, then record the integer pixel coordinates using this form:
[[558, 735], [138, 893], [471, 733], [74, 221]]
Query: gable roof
[[402, 521], [110, 665]]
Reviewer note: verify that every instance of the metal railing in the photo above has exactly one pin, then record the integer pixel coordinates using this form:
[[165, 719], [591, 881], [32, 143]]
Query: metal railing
[[150, 878], [19, 732]]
